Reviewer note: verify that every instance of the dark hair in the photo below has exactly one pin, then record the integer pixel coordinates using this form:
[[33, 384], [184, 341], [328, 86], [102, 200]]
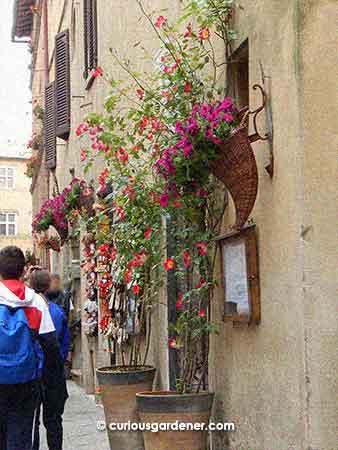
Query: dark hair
[[55, 276], [12, 263], [40, 281]]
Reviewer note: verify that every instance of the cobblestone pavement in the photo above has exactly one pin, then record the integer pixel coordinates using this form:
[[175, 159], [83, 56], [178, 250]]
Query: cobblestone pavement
[[79, 420]]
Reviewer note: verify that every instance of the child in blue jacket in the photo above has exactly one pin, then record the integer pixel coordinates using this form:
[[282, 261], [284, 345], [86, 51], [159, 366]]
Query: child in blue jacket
[[52, 417]]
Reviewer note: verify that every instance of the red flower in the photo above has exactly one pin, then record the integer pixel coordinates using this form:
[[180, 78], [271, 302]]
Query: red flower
[[160, 21], [82, 128], [121, 213], [140, 93], [179, 301], [187, 87], [147, 234], [172, 342], [136, 289], [186, 258], [122, 155], [83, 154], [169, 264], [202, 248], [200, 284], [177, 204], [113, 254], [103, 176], [128, 276], [204, 34], [130, 192], [201, 313], [188, 31], [98, 72]]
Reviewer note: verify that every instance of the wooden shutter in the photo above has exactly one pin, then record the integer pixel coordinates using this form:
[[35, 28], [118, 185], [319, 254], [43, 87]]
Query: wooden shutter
[[90, 36], [62, 84], [49, 126]]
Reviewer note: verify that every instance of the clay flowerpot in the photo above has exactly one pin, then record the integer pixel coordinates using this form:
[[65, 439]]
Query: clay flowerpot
[[118, 387], [170, 407]]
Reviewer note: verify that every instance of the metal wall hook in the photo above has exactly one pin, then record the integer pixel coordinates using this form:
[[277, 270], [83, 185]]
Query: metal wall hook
[[257, 136]]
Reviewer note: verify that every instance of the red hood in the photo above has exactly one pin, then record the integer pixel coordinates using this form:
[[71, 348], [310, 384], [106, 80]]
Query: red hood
[[16, 286]]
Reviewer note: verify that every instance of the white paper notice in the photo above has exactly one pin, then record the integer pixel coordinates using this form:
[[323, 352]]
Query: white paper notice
[[235, 276]]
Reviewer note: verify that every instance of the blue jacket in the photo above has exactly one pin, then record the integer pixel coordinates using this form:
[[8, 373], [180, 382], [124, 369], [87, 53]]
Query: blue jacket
[[61, 327]]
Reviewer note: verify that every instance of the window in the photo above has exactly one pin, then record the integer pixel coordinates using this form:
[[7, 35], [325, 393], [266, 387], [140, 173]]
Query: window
[[7, 224], [238, 75], [62, 85], [7, 179], [90, 36]]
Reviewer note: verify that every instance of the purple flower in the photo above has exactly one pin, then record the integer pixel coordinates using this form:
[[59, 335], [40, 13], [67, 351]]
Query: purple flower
[[179, 128], [187, 150], [228, 117], [164, 200], [192, 127]]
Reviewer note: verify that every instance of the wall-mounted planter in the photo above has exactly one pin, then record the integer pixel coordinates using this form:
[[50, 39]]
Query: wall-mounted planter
[[236, 166]]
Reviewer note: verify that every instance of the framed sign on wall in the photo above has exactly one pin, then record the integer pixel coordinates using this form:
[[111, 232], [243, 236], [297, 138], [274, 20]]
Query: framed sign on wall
[[240, 276]]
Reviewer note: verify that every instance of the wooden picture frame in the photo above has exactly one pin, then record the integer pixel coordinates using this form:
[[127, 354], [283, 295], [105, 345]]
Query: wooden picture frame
[[240, 276]]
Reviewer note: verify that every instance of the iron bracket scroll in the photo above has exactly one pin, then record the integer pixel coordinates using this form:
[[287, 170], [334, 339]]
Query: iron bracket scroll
[[256, 136]]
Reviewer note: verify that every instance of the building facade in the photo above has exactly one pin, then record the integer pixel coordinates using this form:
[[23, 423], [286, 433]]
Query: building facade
[[15, 202], [275, 380]]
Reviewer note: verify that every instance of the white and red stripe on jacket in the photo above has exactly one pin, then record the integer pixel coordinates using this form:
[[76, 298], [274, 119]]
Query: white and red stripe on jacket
[[15, 294]]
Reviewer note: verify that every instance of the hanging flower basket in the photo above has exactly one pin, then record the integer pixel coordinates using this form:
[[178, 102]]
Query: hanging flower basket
[[236, 165], [237, 169], [50, 243]]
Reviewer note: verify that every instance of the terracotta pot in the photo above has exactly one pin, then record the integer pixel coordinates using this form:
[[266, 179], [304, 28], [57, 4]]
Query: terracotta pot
[[118, 387], [170, 407]]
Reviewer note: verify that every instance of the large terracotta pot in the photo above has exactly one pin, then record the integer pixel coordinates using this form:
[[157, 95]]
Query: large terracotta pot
[[170, 407], [118, 387]]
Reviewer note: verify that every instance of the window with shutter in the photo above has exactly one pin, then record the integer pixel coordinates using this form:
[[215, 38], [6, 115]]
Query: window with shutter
[[62, 85], [90, 36], [50, 137]]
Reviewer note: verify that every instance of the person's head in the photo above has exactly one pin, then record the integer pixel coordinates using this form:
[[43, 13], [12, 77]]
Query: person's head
[[55, 282], [40, 281], [12, 263]]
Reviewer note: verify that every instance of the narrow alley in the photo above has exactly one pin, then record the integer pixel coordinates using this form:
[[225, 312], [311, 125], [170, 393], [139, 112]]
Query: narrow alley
[[80, 422]]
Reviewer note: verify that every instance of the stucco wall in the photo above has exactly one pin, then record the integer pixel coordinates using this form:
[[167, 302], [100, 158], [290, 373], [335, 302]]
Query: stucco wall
[[277, 381]]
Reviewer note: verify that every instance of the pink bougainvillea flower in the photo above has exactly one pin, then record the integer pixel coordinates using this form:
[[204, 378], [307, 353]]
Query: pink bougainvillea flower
[[147, 234], [169, 264], [83, 154], [140, 93], [29, 143], [136, 289], [186, 258], [160, 21], [201, 193], [188, 31], [202, 248], [179, 301], [187, 151], [122, 155], [204, 34], [201, 313], [164, 200], [228, 117], [187, 87], [98, 72]]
